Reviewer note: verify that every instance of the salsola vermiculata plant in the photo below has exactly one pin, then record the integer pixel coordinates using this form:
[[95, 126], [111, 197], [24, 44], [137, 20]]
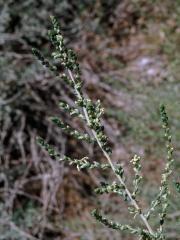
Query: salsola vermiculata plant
[[91, 113]]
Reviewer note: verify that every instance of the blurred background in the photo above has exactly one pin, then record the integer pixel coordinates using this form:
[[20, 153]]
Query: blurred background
[[129, 53]]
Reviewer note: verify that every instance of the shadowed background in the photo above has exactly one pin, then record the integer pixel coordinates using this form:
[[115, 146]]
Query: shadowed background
[[129, 55]]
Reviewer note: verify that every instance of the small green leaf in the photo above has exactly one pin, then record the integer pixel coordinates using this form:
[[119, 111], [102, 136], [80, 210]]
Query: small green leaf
[[177, 186]]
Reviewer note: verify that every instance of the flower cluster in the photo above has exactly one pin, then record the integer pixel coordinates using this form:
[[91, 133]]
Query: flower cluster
[[109, 188], [137, 168], [82, 163], [70, 131], [162, 197], [91, 113], [74, 112]]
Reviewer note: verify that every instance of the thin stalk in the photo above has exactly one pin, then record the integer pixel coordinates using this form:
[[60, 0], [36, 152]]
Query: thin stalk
[[134, 203]]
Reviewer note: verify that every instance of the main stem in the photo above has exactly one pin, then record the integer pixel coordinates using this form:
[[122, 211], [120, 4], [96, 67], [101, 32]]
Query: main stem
[[134, 203]]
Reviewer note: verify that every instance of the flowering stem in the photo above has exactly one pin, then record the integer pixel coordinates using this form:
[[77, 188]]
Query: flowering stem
[[134, 203]]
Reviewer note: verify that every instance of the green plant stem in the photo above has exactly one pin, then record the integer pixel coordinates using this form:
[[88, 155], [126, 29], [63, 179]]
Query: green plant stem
[[133, 202]]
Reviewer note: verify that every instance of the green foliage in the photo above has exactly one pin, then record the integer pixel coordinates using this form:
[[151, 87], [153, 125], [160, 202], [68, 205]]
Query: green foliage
[[110, 224], [91, 113], [177, 185]]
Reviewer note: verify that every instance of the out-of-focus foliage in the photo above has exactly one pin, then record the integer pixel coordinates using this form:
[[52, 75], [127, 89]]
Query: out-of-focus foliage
[[24, 88]]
